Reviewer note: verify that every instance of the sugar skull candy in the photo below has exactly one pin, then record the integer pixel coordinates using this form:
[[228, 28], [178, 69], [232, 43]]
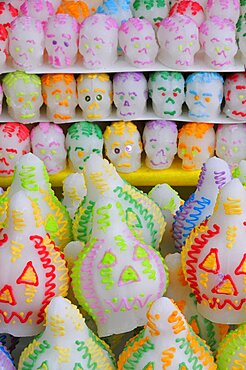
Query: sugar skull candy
[[123, 146], [82, 139], [26, 43], [23, 96], [130, 93], [196, 143], [178, 40], [48, 143], [3, 44], [218, 40], [14, 142], [235, 96], [191, 9], [204, 94], [241, 36], [166, 90], [98, 41], [120, 10], [138, 42], [95, 95], [153, 11], [160, 143], [7, 13], [231, 143], [40, 9], [229, 9], [77, 9], [61, 40], [60, 96]]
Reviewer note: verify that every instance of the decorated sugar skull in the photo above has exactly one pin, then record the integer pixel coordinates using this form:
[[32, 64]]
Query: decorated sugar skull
[[241, 36], [231, 143], [48, 143], [153, 11], [226, 9], [218, 40], [160, 143], [15, 3], [178, 40], [14, 142], [166, 339], [60, 96], [130, 93], [65, 338], [39, 9], [98, 41], [191, 9], [77, 9], [120, 10], [213, 259], [61, 40], [26, 43], [166, 90], [123, 146], [95, 95], [7, 13], [82, 139], [23, 96], [204, 94], [6, 361], [235, 96], [138, 42], [3, 44], [196, 143]]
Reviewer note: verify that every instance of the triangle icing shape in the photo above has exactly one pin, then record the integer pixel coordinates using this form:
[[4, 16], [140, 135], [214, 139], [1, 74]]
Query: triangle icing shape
[[7, 296], [211, 262], [227, 286], [28, 275], [128, 276]]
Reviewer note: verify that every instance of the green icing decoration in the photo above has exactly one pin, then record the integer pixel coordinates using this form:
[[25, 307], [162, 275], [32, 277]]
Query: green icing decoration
[[128, 275], [108, 259], [182, 366], [31, 360], [27, 178], [84, 128], [150, 365], [140, 252], [77, 367], [51, 225], [43, 366], [149, 270], [135, 220], [106, 274], [104, 221], [120, 242]]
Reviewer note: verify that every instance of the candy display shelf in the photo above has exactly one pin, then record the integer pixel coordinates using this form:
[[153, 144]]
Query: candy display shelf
[[174, 176]]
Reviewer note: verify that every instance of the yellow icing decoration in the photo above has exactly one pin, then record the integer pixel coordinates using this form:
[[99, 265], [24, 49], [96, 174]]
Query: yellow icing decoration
[[30, 292], [179, 324], [233, 206], [18, 220], [231, 236], [56, 326], [167, 356], [100, 184], [64, 354], [16, 249]]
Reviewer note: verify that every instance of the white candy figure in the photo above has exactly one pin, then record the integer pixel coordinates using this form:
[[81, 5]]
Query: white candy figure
[[60, 96], [166, 90], [229, 9], [191, 9], [218, 40], [82, 139], [23, 96], [48, 143], [160, 143], [213, 259], [204, 94], [3, 44], [40, 9], [98, 41], [138, 42], [196, 144], [130, 94], [231, 143], [61, 40], [153, 11], [14, 142], [123, 146], [241, 36], [235, 96], [67, 333], [95, 95], [178, 40], [74, 191], [26, 43]]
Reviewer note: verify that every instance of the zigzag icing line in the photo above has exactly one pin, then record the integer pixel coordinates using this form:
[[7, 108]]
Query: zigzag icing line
[[81, 221], [194, 217], [213, 303], [22, 319], [124, 303]]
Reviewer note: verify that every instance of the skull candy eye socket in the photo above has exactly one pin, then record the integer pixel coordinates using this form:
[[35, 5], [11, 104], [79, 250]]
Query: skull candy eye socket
[[128, 148], [54, 42], [116, 150], [99, 97], [87, 98]]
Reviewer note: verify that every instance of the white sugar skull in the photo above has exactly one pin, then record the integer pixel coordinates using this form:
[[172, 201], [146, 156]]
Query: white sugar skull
[[40, 9], [178, 40], [3, 44], [95, 95], [160, 143], [82, 139], [235, 96], [61, 40], [48, 143], [14, 142], [204, 94], [241, 36], [130, 93], [229, 9], [166, 90], [191, 9], [231, 143], [196, 143], [98, 41], [26, 43], [23, 96], [7, 13], [153, 11], [218, 40], [138, 42], [123, 146], [60, 96]]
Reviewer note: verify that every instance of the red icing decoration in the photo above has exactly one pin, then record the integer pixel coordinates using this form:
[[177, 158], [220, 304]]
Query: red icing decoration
[[14, 315], [241, 269], [213, 254], [222, 289], [7, 296], [4, 239], [28, 275]]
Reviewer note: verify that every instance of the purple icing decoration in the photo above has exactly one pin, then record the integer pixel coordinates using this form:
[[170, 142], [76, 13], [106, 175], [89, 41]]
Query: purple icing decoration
[[124, 76], [6, 362], [161, 123]]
